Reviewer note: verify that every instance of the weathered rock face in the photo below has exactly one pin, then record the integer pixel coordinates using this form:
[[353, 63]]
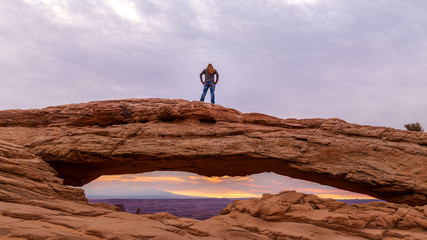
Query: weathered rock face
[[292, 215], [143, 135], [24, 176], [34, 204]]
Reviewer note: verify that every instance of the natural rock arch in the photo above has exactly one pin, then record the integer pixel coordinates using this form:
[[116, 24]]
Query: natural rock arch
[[84, 141]]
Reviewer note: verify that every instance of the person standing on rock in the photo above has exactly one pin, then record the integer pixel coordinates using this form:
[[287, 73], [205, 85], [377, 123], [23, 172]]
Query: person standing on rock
[[209, 82]]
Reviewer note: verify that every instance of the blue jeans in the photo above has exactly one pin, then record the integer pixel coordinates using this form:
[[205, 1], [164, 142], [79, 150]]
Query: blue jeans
[[211, 86]]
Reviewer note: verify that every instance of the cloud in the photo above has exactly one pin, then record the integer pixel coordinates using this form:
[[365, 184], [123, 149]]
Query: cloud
[[125, 10], [143, 179], [362, 61], [167, 177], [221, 179]]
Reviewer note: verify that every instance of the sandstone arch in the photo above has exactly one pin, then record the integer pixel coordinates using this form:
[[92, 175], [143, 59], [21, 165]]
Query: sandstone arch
[[84, 141]]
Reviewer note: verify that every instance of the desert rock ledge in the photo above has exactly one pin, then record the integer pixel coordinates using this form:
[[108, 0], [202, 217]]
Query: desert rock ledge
[[84, 141]]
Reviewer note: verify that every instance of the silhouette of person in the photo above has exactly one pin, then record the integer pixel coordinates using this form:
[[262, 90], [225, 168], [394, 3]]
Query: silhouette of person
[[209, 82]]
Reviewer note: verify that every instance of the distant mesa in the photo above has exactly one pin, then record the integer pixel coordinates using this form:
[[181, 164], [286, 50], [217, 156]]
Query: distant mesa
[[144, 135], [200, 209], [148, 193]]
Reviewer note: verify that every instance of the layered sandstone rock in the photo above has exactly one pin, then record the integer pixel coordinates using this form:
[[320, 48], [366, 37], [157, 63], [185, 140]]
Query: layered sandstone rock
[[35, 205], [96, 138], [292, 215], [143, 135], [25, 177]]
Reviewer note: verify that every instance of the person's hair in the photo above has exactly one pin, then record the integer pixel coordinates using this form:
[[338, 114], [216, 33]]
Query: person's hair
[[210, 69]]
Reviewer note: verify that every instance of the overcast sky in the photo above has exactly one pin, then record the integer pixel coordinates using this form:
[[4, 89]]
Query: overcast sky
[[362, 61]]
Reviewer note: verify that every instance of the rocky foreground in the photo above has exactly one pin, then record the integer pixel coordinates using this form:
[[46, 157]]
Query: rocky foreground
[[82, 141]]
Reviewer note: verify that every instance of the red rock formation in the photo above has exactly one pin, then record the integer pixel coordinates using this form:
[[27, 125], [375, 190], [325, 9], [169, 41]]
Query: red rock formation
[[24, 176], [143, 135], [34, 204]]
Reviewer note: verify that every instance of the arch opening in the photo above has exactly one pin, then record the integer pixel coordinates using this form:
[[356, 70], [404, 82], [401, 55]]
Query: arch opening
[[194, 196], [95, 166]]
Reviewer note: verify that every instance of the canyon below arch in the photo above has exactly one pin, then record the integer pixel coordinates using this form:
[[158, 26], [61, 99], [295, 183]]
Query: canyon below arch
[[44, 152]]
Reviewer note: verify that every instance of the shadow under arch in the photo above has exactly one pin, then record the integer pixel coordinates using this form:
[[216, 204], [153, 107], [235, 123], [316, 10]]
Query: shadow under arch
[[75, 174]]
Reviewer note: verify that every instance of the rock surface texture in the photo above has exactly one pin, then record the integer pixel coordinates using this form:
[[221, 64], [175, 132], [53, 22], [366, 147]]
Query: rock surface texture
[[143, 135], [84, 141], [34, 204]]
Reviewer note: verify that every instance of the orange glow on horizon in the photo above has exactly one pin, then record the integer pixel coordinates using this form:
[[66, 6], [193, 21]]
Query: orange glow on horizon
[[221, 179], [348, 196], [217, 195], [120, 178], [193, 179], [258, 195]]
